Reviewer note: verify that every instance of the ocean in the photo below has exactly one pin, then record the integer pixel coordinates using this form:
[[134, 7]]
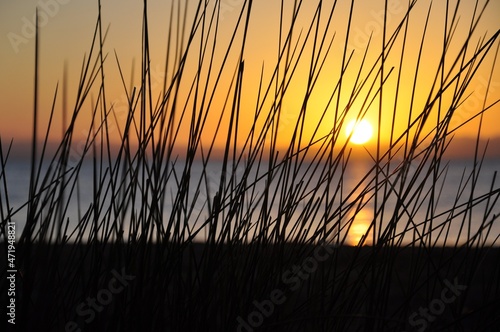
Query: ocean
[[315, 197]]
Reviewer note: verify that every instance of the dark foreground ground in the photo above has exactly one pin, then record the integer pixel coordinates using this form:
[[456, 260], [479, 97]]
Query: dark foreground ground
[[200, 287]]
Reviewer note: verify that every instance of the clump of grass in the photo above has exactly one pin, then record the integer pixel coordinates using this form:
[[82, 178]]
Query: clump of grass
[[206, 235]]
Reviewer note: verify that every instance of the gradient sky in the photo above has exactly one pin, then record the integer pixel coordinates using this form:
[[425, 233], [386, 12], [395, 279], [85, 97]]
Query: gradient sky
[[67, 29]]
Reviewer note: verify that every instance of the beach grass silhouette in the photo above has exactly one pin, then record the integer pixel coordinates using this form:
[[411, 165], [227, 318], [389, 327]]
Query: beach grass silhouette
[[185, 233]]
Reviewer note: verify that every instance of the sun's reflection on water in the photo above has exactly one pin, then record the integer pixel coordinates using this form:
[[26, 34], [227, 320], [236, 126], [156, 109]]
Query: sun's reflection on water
[[361, 214], [359, 225]]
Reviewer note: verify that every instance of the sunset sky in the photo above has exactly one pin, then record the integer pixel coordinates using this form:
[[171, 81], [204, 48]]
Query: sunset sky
[[67, 29]]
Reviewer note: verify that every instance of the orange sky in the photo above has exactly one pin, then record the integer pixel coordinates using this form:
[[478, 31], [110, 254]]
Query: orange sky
[[67, 29]]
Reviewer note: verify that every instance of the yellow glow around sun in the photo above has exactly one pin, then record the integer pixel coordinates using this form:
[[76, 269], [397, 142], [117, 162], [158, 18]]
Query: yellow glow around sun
[[360, 131]]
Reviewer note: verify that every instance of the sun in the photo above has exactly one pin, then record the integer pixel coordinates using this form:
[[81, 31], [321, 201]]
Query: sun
[[359, 131]]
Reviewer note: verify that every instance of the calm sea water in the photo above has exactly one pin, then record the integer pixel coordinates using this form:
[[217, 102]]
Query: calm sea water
[[454, 187]]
